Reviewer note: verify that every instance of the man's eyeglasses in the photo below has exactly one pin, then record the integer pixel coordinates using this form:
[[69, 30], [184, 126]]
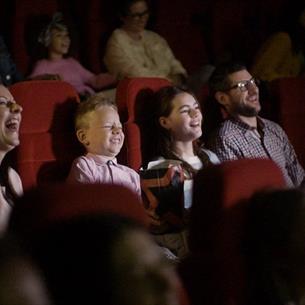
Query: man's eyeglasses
[[139, 15], [245, 85]]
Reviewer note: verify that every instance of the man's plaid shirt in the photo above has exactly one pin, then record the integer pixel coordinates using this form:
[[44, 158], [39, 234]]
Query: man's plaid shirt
[[236, 140]]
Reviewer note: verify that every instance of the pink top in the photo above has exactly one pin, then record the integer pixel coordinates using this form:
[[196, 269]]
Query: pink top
[[97, 169], [69, 69]]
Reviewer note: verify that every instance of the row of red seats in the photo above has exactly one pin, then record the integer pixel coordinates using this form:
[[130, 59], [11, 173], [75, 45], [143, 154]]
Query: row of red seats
[[48, 143], [198, 31]]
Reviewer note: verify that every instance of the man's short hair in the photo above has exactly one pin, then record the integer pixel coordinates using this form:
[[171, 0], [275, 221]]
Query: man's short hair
[[219, 78], [123, 6]]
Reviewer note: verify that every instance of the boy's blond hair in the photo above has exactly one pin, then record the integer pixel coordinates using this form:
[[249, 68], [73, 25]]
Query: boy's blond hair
[[88, 106]]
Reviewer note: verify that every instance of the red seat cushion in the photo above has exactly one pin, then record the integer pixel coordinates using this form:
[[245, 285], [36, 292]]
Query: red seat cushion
[[51, 203], [48, 143]]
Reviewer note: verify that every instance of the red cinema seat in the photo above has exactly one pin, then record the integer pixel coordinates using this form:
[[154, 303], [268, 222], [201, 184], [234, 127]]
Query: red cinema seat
[[215, 272], [128, 91], [49, 203], [289, 97], [47, 141]]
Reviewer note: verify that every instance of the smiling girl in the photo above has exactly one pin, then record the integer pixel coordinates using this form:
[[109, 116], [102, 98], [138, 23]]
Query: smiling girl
[[177, 121]]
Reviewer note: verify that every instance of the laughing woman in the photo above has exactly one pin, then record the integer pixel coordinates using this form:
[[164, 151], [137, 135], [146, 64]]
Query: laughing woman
[[10, 183]]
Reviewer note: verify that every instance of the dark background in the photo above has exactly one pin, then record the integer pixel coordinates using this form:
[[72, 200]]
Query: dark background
[[198, 31]]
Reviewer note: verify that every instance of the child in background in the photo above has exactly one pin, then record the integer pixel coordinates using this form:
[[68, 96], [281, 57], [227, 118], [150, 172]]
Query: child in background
[[99, 129], [57, 64]]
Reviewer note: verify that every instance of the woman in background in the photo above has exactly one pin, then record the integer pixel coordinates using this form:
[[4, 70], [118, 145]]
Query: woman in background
[[133, 51]]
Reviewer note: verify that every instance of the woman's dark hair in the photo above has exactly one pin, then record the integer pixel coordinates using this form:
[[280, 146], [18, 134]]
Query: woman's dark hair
[[76, 257], [274, 247], [161, 139], [9, 193], [123, 6]]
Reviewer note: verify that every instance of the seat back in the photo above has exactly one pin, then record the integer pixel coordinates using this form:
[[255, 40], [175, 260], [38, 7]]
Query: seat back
[[289, 96], [50, 203], [47, 141], [128, 92], [217, 221]]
